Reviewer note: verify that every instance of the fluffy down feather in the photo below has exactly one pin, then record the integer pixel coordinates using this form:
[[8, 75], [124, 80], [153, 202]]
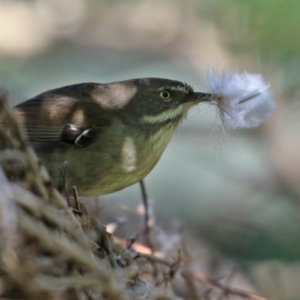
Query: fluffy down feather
[[243, 99]]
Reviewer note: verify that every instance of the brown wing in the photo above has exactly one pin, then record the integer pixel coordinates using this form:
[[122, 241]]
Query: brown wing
[[62, 115]]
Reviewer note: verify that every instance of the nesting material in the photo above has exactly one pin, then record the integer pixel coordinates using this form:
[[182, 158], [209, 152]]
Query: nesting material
[[243, 99]]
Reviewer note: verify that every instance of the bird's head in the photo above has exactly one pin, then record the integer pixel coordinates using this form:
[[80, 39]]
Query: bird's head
[[154, 102]]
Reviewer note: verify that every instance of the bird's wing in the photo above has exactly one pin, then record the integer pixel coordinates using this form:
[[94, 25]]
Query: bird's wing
[[59, 117], [79, 136]]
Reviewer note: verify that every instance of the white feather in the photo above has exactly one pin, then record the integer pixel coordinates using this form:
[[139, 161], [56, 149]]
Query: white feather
[[244, 100]]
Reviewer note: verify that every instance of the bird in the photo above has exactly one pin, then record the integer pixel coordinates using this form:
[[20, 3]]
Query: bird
[[107, 136]]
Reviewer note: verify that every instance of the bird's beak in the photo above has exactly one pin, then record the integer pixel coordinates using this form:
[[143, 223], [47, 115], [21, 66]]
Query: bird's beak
[[203, 97], [198, 97]]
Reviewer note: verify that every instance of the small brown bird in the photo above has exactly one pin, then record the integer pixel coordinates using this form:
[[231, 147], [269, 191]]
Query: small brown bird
[[109, 135]]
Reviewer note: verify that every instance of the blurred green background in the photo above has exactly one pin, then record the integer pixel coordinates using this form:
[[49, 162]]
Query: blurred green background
[[237, 192]]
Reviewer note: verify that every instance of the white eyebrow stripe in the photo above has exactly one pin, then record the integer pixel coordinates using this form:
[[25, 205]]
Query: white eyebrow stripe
[[180, 88], [164, 116]]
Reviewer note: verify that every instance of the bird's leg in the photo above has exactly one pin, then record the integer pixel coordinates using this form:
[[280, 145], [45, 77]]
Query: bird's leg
[[146, 207], [148, 222]]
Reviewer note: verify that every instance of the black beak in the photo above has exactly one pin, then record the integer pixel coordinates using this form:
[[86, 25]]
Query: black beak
[[197, 97]]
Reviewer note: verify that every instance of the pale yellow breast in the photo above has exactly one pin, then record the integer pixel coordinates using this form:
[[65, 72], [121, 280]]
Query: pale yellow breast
[[127, 159], [138, 157], [154, 147]]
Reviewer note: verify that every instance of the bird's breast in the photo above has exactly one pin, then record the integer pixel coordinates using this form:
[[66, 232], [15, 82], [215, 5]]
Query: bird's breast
[[148, 150], [134, 159], [117, 160]]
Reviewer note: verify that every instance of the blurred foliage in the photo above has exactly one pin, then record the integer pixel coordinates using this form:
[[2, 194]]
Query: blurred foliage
[[270, 28], [273, 25]]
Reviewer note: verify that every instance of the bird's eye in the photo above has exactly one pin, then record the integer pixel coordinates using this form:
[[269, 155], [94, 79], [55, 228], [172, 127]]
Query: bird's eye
[[166, 95]]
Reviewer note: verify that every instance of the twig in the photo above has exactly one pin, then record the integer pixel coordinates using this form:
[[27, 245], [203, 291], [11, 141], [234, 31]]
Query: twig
[[228, 279], [103, 240], [189, 281], [203, 278], [68, 282], [226, 289], [75, 195], [155, 259]]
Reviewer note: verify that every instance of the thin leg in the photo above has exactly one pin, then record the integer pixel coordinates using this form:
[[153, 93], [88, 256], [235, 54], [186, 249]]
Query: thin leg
[[148, 222], [146, 207]]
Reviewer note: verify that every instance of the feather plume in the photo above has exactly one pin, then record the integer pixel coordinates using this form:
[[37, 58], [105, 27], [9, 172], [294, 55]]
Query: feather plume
[[243, 99]]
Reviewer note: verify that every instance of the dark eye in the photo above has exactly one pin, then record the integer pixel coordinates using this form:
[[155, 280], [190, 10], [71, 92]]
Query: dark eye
[[166, 95]]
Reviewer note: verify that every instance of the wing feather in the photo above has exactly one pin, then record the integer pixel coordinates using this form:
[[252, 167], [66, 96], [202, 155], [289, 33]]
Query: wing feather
[[49, 116]]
